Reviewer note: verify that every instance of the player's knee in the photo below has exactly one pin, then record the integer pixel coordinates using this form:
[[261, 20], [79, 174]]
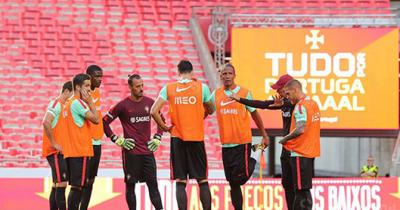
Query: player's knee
[[76, 187], [152, 183], [180, 184], [62, 184], [181, 181], [201, 181]]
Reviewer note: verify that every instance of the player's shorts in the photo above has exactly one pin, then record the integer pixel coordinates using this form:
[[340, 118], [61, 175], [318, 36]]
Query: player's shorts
[[188, 158], [58, 165], [302, 170], [238, 165], [78, 170], [95, 161], [287, 176], [138, 168]]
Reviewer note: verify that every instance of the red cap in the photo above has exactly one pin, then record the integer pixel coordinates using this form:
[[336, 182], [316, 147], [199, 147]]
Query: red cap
[[281, 82]]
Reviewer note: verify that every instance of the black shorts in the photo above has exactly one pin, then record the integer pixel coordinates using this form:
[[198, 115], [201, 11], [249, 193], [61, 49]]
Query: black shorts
[[238, 165], [138, 168], [58, 165], [78, 170], [188, 158], [302, 170], [95, 161], [287, 176]]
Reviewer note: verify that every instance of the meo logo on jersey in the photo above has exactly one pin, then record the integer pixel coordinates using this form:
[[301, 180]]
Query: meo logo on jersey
[[185, 100]]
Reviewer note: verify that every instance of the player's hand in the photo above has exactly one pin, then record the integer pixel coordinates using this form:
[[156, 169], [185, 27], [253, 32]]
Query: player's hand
[[154, 143], [57, 147], [235, 97], [86, 97], [255, 147], [126, 143], [166, 128], [265, 142], [278, 101]]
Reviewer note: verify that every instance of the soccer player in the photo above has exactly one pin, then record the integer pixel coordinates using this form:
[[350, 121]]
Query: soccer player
[[286, 107], [137, 147], [235, 133], [96, 130], [189, 103], [80, 110], [303, 142], [54, 131]]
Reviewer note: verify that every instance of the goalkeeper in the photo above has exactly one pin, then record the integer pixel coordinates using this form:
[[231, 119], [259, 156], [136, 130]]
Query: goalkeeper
[[137, 147]]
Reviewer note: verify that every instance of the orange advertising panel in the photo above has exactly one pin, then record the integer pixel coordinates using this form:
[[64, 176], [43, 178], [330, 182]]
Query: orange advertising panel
[[351, 73]]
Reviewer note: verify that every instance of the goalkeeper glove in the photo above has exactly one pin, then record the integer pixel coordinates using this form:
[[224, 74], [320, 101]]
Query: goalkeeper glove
[[126, 143], [154, 143]]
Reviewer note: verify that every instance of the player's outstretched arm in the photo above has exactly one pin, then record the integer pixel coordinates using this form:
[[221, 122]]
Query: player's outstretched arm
[[255, 103]]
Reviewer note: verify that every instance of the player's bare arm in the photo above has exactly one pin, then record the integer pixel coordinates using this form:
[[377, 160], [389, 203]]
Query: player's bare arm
[[300, 126], [260, 125], [208, 108], [92, 114], [155, 114], [48, 118]]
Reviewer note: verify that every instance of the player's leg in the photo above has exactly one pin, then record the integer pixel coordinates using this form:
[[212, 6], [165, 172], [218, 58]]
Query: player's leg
[[238, 167], [149, 172], [235, 192], [287, 178], [62, 181], [302, 171], [93, 168], [179, 170], [198, 169], [78, 170], [52, 197], [130, 195], [132, 165]]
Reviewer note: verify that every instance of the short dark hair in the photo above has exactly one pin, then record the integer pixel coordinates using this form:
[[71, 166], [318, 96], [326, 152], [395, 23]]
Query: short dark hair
[[185, 66], [92, 68], [67, 86], [79, 79], [132, 77], [294, 83], [227, 65]]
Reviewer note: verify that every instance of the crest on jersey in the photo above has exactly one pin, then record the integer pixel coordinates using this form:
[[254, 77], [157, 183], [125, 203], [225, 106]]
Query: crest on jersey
[[146, 108]]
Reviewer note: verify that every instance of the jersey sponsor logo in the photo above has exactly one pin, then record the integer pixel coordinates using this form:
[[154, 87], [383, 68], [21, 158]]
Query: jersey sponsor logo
[[185, 100], [182, 89], [226, 103], [95, 100], [140, 119], [229, 111]]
